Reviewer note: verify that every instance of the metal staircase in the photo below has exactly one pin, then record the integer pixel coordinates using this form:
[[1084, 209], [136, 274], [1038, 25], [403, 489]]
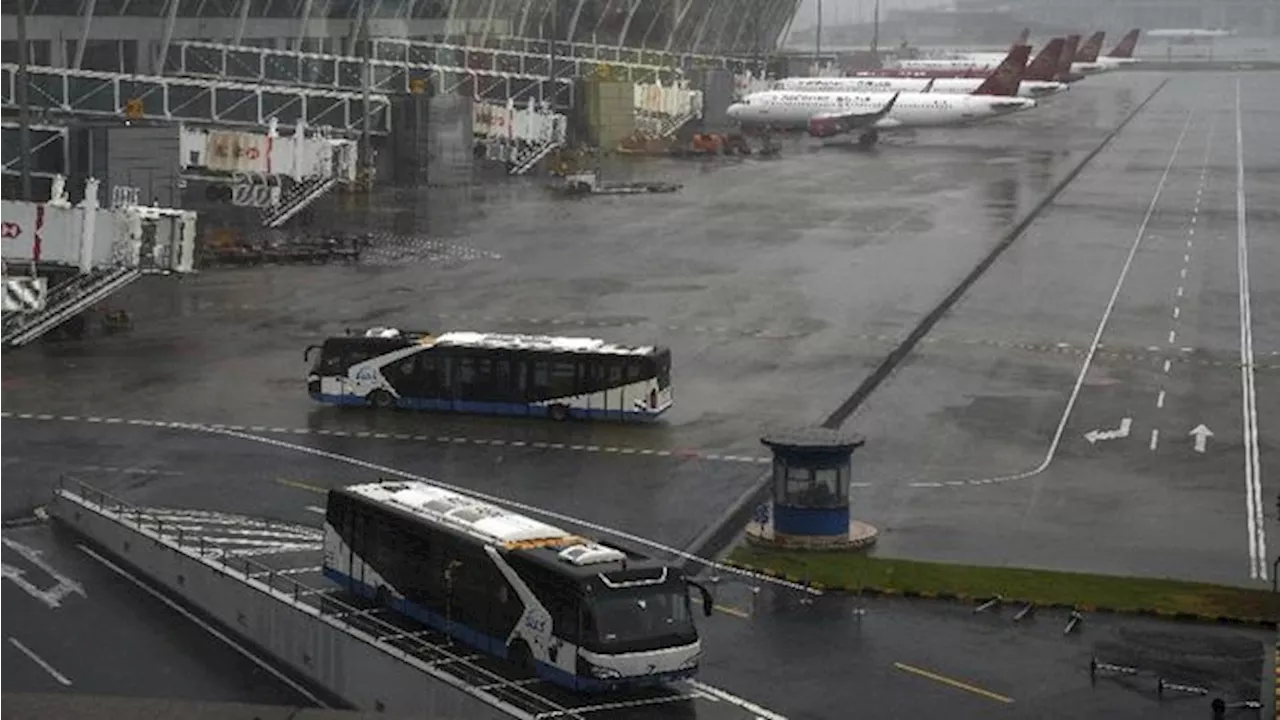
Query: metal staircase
[[65, 301], [529, 158], [297, 199], [669, 125]]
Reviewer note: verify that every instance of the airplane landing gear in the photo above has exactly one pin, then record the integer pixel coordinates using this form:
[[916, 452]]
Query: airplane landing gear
[[868, 138]]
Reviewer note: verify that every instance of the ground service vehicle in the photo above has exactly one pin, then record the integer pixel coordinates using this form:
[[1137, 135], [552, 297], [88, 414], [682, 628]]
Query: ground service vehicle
[[556, 377], [580, 614]]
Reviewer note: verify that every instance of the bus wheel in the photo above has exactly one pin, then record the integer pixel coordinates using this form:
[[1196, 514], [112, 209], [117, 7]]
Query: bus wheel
[[382, 400], [559, 413]]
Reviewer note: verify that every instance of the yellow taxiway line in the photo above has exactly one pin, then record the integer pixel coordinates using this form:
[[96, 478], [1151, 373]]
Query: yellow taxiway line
[[953, 683]]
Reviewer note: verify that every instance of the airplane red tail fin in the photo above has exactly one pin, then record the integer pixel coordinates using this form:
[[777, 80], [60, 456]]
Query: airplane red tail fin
[[1124, 48], [1022, 38], [1067, 57], [1008, 76], [1045, 66], [1088, 52]]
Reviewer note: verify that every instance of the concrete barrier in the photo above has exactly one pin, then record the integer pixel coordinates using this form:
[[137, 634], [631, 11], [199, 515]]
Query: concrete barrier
[[349, 663]]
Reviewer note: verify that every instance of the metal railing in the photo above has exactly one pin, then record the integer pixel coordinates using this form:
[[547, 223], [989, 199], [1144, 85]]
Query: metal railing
[[424, 655]]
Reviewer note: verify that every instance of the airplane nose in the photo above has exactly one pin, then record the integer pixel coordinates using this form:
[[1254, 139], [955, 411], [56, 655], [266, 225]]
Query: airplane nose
[[734, 110]]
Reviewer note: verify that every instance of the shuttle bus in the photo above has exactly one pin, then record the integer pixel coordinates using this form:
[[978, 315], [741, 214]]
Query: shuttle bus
[[580, 614], [536, 375]]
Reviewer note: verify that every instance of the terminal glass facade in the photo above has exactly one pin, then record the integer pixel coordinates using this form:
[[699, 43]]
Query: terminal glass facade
[[128, 35]]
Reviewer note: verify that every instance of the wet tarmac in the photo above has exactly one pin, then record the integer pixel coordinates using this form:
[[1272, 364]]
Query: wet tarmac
[[778, 284], [990, 389]]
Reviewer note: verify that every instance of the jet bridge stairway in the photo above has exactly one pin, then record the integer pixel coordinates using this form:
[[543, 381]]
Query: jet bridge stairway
[[65, 301], [98, 250], [297, 199]]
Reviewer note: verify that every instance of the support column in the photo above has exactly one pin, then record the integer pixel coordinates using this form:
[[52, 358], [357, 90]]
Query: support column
[[86, 10], [573, 21], [304, 17], [169, 21], [244, 21], [676, 26], [626, 25]]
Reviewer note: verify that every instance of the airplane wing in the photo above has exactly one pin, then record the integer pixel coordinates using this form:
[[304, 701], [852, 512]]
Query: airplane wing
[[927, 88], [829, 124]]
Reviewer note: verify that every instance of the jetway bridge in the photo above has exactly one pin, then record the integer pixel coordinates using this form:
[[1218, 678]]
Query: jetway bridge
[[62, 92], [262, 580]]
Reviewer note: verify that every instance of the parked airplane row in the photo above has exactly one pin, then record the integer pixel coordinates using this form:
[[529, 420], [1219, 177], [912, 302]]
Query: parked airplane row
[[904, 98]]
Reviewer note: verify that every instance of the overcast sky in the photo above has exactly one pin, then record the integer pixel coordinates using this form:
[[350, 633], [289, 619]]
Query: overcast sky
[[837, 12]]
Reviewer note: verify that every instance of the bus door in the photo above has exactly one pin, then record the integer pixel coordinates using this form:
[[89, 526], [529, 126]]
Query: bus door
[[359, 549]]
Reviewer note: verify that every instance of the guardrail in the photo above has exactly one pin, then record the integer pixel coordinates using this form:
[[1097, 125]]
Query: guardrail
[[72, 498]]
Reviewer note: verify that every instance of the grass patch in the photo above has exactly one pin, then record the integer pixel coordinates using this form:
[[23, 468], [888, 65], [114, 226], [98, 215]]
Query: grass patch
[[854, 570]]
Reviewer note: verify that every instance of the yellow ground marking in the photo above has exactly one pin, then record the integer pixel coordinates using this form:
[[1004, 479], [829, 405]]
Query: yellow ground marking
[[303, 486], [953, 683]]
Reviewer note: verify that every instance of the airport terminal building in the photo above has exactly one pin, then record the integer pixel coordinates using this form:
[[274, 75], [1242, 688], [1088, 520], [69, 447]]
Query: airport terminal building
[[126, 35]]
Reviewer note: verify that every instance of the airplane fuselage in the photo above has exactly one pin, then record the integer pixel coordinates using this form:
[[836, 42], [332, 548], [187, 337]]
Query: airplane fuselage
[[1028, 88], [786, 108], [980, 62]]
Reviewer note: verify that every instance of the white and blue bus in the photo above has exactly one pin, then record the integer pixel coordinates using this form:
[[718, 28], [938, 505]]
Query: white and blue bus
[[556, 377], [572, 611]]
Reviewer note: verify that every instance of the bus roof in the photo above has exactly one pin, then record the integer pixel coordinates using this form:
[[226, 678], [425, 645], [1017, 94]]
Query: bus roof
[[540, 343], [477, 518]]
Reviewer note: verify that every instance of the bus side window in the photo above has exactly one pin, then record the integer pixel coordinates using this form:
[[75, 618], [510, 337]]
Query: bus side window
[[429, 380], [542, 378], [564, 378], [616, 372], [634, 370], [464, 381]]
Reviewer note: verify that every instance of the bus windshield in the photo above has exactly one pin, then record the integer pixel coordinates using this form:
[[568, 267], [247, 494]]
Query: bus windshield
[[628, 617]]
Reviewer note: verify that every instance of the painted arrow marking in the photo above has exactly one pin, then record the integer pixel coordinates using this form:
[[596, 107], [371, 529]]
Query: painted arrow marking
[[1094, 436], [51, 597], [1202, 435]]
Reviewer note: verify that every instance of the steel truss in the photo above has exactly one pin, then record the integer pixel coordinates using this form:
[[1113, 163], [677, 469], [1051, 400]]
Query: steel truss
[[533, 59], [616, 55], [394, 75], [42, 137], [61, 91]]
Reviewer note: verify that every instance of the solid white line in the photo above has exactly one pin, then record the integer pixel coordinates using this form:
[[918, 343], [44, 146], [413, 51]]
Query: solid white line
[[759, 712], [205, 626], [1176, 312], [39, 661], [1249, 401], [1160, 399], [1155, 438], [1106, 317]]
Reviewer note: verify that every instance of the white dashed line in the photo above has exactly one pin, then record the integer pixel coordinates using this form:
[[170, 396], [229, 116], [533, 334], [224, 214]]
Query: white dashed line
[[1160, 400], [439, 439], [1180, 290], [1155, 438], [1183, 273], [1167, 363], [1176, 312], [1173, 334]]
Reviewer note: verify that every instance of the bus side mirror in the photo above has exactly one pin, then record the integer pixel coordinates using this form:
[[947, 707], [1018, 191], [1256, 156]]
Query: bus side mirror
[[306, 356], [707, 601]]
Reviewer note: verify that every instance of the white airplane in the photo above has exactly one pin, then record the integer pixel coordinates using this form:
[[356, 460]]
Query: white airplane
[[1088, 60], [1044, 67], [825, 114]]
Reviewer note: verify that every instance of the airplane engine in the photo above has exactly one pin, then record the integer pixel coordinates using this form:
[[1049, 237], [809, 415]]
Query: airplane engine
[[823, 128]]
